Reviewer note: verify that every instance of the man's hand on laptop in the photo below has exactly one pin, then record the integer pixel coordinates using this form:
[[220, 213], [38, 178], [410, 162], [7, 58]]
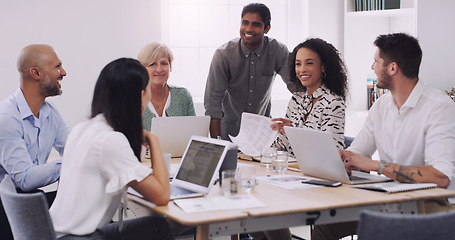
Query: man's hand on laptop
[[345, 155], [355, 161]]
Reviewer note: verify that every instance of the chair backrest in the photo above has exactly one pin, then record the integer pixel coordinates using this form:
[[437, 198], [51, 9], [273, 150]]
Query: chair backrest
[[27, 213], [375, 226], [348, 141]]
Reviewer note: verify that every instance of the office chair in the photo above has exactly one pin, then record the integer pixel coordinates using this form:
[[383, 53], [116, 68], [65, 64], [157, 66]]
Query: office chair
[[380, 226], [348, 141], [27, 213]]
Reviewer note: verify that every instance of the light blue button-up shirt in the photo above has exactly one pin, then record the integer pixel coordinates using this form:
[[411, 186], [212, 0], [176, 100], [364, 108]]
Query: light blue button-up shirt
[[26, 142]]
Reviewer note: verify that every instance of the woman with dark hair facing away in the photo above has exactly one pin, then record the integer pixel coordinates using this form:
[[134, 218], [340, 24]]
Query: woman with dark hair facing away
[[318, 103], [102, 159]]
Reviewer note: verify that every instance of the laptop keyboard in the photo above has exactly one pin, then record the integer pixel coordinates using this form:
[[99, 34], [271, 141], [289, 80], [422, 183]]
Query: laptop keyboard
[[178, 191], [355, 178]]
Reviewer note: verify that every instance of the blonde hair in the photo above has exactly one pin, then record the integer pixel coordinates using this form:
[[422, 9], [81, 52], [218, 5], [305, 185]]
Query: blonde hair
[[151, 52]]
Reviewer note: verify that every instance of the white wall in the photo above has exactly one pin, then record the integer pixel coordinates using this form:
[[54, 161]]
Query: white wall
[[208, 25], [85, 34], [435, 30], [214, 22], [326, 21], [89, 34]]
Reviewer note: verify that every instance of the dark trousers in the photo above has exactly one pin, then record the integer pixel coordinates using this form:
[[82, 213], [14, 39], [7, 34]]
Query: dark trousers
[[155, 228], [5, 229]]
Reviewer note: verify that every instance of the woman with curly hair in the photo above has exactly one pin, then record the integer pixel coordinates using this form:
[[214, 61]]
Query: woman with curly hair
[[318, 101]]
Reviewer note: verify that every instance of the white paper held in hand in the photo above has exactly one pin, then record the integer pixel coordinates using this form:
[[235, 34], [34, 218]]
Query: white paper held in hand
[[255, 133]]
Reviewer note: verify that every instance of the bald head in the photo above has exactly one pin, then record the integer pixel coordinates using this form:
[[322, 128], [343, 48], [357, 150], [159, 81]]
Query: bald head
[[32, 56], [40, 71]]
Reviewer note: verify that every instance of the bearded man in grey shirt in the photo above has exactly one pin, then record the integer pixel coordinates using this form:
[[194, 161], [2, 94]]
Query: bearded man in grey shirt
[[242, 73]]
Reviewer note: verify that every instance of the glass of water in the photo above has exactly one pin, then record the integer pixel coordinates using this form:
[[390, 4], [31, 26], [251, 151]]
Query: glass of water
[[280, 163], [268, 154], [230, 184], [247, 177]]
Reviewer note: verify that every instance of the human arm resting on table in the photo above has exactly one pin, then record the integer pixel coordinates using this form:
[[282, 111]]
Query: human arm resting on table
[[154, 187], [411, 174]]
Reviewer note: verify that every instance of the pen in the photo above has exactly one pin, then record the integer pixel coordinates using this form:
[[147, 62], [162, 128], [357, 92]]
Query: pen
[[216, 181]]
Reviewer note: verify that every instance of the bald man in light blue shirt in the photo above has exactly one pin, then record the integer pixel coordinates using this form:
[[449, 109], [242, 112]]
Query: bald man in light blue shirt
[[30, 126], [26, 142]]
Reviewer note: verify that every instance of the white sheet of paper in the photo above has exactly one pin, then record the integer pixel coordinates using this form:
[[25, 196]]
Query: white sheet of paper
[[287, 181], [205, 204], [255, 133]]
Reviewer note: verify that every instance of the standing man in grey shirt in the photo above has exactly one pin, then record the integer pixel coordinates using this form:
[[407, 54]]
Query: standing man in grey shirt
[[242, 73]]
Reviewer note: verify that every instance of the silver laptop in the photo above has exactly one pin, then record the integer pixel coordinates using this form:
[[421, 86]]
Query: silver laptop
[[318, 156], [175, 132], [199, 167]]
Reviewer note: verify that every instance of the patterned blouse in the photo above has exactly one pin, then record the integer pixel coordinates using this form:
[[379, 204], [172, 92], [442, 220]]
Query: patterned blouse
[[327, 114]]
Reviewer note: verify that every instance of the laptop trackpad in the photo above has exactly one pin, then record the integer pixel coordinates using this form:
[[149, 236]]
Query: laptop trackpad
[[178, 192], [358, 177]]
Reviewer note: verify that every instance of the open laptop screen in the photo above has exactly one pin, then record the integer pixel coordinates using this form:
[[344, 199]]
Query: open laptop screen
[[200, 162], [167, 128]]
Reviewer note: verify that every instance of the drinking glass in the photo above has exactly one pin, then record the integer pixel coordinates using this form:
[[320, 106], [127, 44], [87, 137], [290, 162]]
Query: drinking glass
[[229, 182], [268, 154], [280, 163], [247, 177]]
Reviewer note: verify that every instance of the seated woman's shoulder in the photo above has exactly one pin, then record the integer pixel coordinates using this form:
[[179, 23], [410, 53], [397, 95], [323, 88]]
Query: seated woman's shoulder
[[178, 89]]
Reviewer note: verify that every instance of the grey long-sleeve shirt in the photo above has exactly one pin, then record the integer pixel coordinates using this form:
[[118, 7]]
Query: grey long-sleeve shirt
[[240, 80]]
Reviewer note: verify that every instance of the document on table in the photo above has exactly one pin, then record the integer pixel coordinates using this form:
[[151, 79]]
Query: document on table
[[205, 204], [287, 181], [255, 133]]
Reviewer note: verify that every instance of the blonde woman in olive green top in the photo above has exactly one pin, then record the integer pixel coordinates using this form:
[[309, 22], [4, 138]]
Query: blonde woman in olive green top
[[167, 100]]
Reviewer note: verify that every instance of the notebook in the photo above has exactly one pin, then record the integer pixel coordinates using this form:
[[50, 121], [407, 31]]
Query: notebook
[[199, 167], [175, 132], [394, 187], [318, 156]]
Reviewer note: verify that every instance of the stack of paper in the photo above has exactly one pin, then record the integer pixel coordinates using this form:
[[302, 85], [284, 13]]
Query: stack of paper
[[255, 133]]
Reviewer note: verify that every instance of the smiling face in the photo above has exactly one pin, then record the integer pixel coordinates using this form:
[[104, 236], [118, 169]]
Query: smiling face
[[309, 69], [51, 72], [159, 71], [252, 30]]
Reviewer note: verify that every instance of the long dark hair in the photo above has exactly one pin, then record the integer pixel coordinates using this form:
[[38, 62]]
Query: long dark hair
[[335, 79], [118, 96]]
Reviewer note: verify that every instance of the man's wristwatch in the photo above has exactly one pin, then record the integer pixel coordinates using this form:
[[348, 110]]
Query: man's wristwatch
[[382, 165]]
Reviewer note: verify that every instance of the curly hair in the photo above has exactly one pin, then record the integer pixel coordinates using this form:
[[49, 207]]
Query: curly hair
[[335, 79]]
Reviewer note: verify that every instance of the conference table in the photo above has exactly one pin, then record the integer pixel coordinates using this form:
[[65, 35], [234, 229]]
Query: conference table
[[295, 207]]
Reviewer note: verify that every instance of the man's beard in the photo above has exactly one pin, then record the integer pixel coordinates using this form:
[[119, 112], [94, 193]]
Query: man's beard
[[51, 87], [384, 80]]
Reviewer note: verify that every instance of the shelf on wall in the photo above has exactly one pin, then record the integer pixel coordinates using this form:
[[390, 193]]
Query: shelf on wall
[[383, 13]]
